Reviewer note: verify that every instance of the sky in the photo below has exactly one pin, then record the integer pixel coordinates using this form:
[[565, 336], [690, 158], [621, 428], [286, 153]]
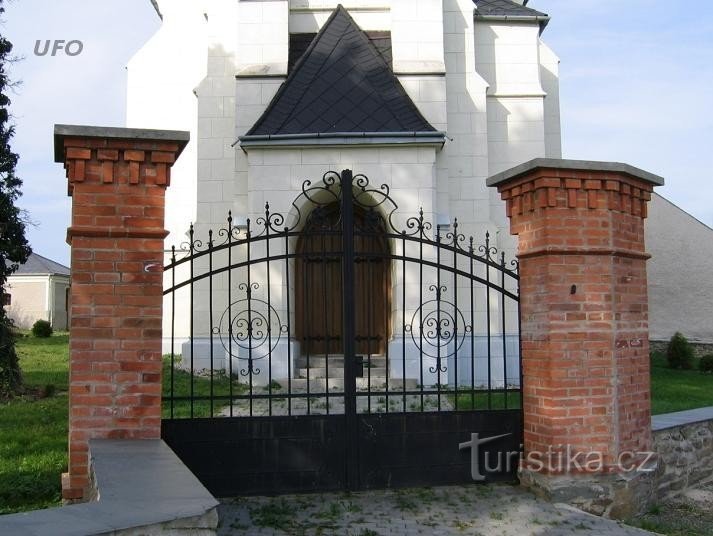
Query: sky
[[636, 87]]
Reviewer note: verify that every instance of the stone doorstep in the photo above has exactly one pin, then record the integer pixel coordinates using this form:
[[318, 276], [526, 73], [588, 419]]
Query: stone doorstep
[[129, 475]]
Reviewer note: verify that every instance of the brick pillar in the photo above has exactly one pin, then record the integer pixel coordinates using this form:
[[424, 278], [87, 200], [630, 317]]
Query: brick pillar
[[584, 313], [118, 179]]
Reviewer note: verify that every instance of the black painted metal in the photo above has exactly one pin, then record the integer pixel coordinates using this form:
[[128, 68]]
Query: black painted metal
[[355, 417]]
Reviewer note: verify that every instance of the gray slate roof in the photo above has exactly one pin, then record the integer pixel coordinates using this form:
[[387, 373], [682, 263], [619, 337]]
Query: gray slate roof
[[340, 85], [37, 264], [506, 8]]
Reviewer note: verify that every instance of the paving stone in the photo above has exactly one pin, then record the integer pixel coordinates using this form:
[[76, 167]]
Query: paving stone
[[446, 511]]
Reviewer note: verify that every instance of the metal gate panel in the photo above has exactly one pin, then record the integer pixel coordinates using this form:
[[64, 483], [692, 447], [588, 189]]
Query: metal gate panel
[[257, 400], [243, 456], [415, 449]]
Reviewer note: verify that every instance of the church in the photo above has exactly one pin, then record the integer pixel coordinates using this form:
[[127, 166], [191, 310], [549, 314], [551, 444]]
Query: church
[[425, 98]]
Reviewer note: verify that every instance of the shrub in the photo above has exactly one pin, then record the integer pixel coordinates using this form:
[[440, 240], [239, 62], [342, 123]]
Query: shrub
[[42, 328], [706, 363], [679, 352]]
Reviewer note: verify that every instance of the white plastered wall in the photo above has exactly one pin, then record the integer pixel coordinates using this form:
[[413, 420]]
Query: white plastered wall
[[30, 299], [507, 57], [492, 87], [680, 284], [162, 77]]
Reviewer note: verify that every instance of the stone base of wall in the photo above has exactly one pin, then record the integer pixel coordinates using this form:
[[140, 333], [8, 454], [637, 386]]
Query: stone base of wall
[[204, 525], [683, 447], [618, 496], [686, 457], [699, 348]]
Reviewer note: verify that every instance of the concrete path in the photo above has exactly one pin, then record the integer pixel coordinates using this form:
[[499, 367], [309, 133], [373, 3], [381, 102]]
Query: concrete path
[[455, 510]]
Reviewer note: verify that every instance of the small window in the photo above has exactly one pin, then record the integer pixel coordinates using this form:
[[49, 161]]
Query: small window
[[300, 42], [6, 299]]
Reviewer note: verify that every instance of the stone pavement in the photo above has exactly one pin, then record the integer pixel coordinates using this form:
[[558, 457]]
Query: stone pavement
[[501, 510]]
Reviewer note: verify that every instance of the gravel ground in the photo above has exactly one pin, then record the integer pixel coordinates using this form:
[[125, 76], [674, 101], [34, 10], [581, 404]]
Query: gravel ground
[[690, 514], [453, 510]]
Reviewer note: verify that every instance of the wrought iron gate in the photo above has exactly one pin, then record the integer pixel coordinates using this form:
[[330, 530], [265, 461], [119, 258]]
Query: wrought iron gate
[[341, 346]]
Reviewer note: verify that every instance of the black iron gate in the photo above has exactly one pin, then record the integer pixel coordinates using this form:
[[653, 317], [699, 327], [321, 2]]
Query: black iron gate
[[341, 346]]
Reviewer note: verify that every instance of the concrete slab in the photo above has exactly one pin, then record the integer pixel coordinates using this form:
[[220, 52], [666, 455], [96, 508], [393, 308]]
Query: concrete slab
[[580, 165], [681, 418], [139, 484]]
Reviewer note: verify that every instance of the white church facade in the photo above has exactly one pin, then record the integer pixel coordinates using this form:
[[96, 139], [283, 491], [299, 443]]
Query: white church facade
[[426, 97]]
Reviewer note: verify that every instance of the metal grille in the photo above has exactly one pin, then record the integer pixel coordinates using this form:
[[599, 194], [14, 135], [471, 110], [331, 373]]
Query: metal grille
[[339, 325]]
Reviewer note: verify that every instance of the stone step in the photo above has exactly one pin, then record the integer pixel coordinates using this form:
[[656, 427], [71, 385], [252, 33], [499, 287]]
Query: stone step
[[318, 361], [299, 385], [338, 372]]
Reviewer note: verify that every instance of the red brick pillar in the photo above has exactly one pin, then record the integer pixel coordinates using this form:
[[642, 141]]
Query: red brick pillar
[[118, 179], [584, 312]]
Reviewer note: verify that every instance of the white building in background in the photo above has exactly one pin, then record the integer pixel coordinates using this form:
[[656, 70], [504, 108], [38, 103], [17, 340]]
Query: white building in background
[[465, 90], [680, 282], [38, 290]]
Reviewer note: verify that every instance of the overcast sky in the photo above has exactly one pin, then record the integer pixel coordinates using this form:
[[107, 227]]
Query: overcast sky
[[636, 87]]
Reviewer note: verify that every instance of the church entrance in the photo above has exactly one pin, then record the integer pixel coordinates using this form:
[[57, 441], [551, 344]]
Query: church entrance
[[352, 346], [318, 286]]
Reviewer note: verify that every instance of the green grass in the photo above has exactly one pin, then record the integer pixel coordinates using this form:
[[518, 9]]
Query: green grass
[[678, 390], [479, 400], [33, 431], [44, 361], [33, 428], [201, 388]]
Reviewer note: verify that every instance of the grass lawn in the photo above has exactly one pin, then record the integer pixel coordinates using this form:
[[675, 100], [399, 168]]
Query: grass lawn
[[33, 428], [201, 388], [678, 390]]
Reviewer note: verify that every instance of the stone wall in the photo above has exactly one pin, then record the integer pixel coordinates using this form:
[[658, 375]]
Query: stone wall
[[685, 457]]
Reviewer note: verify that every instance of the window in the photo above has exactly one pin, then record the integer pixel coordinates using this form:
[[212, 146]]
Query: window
[[299, 43], [6, 299]]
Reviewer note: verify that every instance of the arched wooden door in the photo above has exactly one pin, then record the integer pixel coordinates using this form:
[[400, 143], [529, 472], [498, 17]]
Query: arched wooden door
[[319, 292]]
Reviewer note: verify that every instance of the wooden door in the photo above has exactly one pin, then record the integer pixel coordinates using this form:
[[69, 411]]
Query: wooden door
[[318, 288]]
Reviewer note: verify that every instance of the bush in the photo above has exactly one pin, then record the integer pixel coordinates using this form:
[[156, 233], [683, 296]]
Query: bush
[[679, 352], [42, 328], [10, 378], [706, 363]]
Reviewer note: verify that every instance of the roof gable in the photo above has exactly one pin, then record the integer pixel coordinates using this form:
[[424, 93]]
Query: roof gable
[[340, 85]]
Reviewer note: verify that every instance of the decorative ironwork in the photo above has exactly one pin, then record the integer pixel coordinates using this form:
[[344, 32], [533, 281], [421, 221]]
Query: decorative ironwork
[[296, 321], [440, 328], [252, 325]]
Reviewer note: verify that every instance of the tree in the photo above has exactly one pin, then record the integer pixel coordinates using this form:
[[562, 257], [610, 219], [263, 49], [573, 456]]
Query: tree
[[14, 248]]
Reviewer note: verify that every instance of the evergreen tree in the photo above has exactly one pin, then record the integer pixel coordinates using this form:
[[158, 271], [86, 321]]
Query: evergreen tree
[[14, 248]]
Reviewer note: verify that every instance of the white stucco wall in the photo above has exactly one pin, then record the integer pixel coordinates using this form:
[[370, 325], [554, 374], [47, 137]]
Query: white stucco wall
[[161, 79], [483, 83], [492, 87], [679, 273], [38, 297], [29, 299]]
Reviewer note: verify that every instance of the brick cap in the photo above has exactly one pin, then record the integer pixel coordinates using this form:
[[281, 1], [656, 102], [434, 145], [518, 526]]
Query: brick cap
[[181, 137], [574, 165]]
